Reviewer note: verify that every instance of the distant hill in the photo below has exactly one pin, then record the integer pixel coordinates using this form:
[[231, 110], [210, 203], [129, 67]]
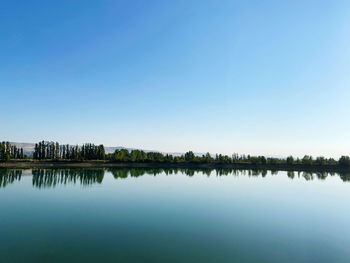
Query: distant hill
[[28, 149]]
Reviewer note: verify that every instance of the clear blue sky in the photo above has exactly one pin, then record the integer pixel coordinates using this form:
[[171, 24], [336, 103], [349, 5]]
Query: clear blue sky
[[259, 77]]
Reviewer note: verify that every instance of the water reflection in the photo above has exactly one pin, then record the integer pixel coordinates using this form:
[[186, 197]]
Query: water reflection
[[49, 178], [136, 172], [44, 178], [9, 176]]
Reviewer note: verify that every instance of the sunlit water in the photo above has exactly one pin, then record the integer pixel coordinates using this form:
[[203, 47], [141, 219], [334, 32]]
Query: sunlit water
[[158, 215]]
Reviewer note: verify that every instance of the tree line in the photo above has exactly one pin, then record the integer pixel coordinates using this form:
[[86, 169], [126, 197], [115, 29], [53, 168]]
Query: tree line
[[45, 150], [54, 151], [9, 151], [123, 155]]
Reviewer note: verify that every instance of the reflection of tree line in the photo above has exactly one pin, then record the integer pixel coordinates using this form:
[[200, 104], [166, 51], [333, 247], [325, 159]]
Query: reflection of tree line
[[51, 177], [136, 172], [9, 176], [308, 176], [43, 178]]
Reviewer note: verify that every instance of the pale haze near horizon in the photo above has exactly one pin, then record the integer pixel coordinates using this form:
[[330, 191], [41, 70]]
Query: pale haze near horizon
[[250, 77]]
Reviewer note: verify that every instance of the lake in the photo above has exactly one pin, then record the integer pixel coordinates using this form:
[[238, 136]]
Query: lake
[[184, 215]]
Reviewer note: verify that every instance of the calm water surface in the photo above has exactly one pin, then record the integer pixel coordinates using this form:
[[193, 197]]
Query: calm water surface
[[157, 215]]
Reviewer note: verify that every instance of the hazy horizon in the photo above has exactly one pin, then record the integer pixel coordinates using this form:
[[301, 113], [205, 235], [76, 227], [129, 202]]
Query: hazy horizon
[[269, 78]]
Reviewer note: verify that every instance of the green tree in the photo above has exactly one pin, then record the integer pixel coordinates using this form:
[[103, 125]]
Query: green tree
[[344, 161], [307, 160], [189, 156], [321, 160], [290, 160]]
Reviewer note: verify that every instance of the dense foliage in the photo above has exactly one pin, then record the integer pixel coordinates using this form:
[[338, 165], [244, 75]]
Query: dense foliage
[[124, 155], [51, 150], [9, 151], [55, 151]]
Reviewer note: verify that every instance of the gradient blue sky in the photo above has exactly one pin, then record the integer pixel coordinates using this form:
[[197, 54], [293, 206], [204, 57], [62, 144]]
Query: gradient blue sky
[[259, 77]]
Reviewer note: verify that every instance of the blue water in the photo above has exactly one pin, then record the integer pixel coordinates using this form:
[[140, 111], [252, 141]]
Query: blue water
[[159, 215]]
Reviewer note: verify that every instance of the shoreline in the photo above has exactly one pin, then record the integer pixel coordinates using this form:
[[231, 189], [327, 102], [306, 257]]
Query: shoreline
[[109, 164]]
